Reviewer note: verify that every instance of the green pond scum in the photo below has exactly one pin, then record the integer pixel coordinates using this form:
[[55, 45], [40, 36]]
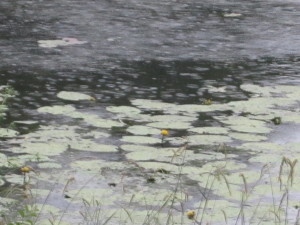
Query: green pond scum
[[165, 166]]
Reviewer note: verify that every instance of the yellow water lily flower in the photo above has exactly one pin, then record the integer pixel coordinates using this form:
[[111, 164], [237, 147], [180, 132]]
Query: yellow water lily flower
[[164, 132], [191, 214], [207, 102], [25, 169]]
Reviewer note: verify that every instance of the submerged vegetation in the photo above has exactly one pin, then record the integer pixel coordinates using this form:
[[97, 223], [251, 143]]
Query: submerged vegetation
[[161, 167]]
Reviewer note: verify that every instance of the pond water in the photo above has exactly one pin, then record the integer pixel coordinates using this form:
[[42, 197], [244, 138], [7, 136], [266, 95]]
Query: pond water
[[96, 83]]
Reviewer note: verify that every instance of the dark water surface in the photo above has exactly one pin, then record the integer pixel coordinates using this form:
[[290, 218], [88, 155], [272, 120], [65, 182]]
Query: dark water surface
[[159, 49]]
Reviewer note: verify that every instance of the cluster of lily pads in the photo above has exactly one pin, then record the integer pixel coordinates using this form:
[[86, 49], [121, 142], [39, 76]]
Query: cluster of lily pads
[[193, 168]]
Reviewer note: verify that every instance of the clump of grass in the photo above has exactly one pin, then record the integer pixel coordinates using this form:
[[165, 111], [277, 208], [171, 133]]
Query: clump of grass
[[6, 92], [93, 212]]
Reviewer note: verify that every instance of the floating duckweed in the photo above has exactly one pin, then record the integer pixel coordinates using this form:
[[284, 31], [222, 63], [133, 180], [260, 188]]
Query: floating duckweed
[[73, 96]]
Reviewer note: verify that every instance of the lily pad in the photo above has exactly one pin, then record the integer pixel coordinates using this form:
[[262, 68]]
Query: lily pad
[[59, 42], [126, 110], [8, 133], [264, 91], [3, 160], [159, 165], [61, 133], [26, 122], [97, 165], [209, 130], [143, 130], [97, 121], [153, 105], [173, 155], [244, 124], [49, 165], [133, 148], [19, 179], [207, 139], [265, 147], [161, 154], [251, 129], [173, 118], [141, 139], [232, 15], [266, 158], [247, 137], [170, 125], [260, 105], [43, 149], [96, 134], [57, 109], [87, 145], [73, 96], [191, 108]]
